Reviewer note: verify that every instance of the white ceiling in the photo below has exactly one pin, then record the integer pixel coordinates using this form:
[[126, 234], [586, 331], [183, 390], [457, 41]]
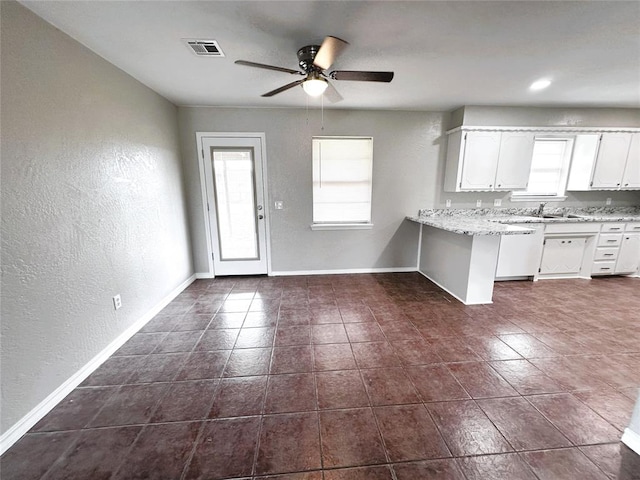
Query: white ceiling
[[444, 54]]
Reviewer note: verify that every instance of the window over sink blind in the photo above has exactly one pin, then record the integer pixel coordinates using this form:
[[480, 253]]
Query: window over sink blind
[[342, 180], [549, 168]]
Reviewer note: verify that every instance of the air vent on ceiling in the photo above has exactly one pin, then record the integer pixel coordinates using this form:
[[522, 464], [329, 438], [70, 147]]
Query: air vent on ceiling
[[204, 48]]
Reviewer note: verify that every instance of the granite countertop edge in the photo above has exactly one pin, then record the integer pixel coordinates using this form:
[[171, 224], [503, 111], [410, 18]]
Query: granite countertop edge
[[467, 226], [471, 223]]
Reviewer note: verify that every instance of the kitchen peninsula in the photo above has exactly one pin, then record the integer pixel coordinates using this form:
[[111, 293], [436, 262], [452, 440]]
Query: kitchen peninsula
[[459, 250]]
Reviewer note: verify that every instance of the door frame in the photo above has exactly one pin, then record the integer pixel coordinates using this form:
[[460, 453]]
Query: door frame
[[200, 136]]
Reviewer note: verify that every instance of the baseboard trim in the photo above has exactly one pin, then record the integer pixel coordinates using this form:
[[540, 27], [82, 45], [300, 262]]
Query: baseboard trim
[[631, 439], [203, 275], [345, 271], [22, 426], [449, 291]]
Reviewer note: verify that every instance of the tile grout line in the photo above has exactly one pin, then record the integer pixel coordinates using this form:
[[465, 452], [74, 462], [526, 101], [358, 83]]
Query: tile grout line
[[206, 420]]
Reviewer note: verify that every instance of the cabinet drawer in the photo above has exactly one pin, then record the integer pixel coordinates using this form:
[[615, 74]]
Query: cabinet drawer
[[633, 227], [603, 268], [612, 227], [609, 239], [603, 253]]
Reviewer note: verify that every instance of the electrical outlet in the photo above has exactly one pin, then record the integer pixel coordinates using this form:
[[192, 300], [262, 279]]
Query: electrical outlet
[[478, 203], [497, 202], [117, 302], [447, 202], [608, 202]]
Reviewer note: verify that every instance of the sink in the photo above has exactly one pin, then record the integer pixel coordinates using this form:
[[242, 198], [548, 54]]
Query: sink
[[561, 216]]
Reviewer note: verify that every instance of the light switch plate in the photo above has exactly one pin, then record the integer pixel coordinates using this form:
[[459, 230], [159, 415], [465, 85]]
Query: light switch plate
[[608, 202], [279, 205], [447, 202], [497, 202], [478, 203]]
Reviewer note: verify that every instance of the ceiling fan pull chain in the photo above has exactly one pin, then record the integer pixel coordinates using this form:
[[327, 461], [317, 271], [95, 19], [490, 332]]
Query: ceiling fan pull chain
[[322, 114]]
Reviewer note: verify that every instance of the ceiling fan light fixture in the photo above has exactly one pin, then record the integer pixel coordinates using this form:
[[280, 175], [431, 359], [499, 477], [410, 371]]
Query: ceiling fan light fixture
[[314, 87]]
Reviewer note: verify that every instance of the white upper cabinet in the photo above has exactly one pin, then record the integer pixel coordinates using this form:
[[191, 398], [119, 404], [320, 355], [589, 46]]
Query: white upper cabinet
[[611, 160], [499, 158], [514, 161], [488, 160], [606, 161], [631, 178], [480, 160]]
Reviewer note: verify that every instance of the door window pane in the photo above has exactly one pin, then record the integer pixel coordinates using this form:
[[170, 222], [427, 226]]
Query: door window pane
[[233, 173]]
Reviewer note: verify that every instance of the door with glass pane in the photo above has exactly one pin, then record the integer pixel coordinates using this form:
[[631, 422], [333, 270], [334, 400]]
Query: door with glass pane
[[234, 183]]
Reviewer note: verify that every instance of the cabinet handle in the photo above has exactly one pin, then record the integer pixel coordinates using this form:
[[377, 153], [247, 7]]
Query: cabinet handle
[[569, 241], [605, 268], [611, 241], [608, 254], [615, 228]]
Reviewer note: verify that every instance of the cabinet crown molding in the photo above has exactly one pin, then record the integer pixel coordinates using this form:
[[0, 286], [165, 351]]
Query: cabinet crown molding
[[470, 128]]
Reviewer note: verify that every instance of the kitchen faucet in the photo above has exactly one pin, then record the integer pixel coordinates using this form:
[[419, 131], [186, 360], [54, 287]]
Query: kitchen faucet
[[540, 210]]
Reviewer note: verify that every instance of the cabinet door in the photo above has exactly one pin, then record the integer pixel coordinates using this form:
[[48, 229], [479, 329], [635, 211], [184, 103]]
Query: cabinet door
[[514, 160], [562, 255], [631, 177], [481, 151], [629, 254], [611, 160]]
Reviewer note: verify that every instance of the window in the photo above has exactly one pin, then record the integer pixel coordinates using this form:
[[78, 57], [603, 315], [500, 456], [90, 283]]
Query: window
[[549, 170], [342, 177]]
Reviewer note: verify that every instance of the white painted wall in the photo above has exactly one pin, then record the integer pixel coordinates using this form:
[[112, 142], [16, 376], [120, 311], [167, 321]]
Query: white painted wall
[[407, 157], [92, 205], [631, 436]]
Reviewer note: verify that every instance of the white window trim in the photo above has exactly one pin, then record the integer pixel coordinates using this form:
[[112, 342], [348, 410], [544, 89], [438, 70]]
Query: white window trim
[[347, 225], [518, 196], [341, 226]]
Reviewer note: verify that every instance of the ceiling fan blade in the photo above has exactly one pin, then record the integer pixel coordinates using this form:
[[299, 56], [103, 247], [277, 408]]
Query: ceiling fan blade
[[329, 50], [332, 94], [362, 76], [268, 67], [282, 89]]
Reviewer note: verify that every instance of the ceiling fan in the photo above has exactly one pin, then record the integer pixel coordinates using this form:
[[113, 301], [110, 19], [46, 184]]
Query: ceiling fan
[[314, 60]]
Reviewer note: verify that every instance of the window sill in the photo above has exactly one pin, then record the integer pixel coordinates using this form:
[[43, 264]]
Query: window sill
[[537, 198], [341, 226]]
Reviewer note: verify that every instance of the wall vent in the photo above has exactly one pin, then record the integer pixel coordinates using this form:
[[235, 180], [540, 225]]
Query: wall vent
[[204, 48]]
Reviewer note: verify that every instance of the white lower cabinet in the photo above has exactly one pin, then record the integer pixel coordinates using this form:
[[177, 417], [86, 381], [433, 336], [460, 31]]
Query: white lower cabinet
[[618, 249], [562, 256], [629, 254]]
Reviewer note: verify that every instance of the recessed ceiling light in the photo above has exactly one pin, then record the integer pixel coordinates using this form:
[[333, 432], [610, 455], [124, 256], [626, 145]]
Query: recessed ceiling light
[[540, 84]]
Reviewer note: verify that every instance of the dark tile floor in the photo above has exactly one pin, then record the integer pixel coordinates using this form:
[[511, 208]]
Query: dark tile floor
[[357, 377]]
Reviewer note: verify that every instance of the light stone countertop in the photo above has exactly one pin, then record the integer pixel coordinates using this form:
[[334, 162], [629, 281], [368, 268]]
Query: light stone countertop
[[495, 222], [471, 226]]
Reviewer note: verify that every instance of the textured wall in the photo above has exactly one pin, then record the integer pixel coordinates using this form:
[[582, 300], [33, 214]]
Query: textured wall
[[406, 161], [92, 206]]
